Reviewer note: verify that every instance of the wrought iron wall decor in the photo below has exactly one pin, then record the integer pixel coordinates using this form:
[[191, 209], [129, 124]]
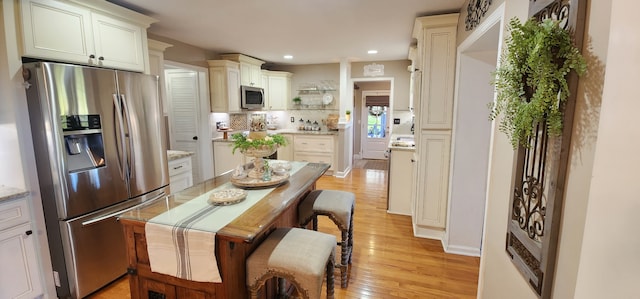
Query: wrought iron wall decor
[[476, 9], [540, 171]]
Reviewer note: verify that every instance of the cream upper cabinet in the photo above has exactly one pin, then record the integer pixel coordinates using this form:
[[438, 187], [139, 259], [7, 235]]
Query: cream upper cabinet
[[250, 69], [437, 50], [224, 85], [277, 89], [156, 67], [86, 32]]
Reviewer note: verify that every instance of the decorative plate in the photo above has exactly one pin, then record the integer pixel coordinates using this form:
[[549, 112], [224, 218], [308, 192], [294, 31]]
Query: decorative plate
[[227, 197], [327, 98]]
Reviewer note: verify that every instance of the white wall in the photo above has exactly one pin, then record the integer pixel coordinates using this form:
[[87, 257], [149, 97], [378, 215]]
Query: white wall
[[470, 156], [17, 156], [609, 259], [498, 277]]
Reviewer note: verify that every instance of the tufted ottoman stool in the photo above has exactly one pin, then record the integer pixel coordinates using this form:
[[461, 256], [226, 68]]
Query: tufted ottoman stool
[[338, 206], [297, 255]]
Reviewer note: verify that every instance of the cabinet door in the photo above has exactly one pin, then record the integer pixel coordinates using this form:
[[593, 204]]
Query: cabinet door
[[286, 152], [118, 43], [400, 182], [433, 178], [436, 103], [245, 74], [233, 89], [56, 30], [278, 92], [224, 159], [180, 182], [19, 275]]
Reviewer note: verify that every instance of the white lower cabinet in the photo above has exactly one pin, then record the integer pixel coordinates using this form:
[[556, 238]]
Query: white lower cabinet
[[400, 181], [19, 274], [286, 152], [180, 174], [433, 179], [315, 149], [224, 159]]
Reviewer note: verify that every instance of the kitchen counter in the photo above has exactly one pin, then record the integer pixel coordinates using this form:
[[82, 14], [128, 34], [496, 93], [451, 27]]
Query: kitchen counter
[[9, 193], [175, 155], [402, 143]]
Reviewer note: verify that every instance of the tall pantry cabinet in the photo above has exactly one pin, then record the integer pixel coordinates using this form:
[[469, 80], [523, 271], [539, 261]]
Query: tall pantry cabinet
[[435, 60]]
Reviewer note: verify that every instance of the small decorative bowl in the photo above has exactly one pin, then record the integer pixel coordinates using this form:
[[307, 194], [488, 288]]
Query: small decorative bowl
[[279, 172]]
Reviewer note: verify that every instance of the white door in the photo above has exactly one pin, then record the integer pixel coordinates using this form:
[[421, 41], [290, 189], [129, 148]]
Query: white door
[[375, 124], [189, 130]]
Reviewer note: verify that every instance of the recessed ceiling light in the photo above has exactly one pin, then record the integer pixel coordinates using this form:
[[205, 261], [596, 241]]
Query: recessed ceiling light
[[372, 51], [288, 56]]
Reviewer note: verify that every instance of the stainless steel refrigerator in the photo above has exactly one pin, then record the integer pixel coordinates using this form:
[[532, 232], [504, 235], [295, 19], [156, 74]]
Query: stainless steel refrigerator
[[99, 142]]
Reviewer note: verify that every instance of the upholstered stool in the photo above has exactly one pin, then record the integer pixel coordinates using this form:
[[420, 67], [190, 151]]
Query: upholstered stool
[[300, 256], [338, 206]]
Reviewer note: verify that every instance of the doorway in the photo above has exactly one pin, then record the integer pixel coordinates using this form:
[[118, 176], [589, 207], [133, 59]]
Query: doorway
[[477, 57], [375, 134], [371, 120], [188, 109]]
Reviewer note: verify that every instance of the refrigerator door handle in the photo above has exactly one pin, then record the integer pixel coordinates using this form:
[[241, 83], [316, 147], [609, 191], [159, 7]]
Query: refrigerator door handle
[[116, 213], [121, 138], [131, 153]]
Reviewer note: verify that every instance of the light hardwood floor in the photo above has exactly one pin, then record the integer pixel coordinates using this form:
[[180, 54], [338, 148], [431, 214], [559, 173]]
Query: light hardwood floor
[[388, 262]]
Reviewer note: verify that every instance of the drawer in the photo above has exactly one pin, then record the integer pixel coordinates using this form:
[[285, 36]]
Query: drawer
[[179, 166], [321, 144], [180, 182], [13, 212]]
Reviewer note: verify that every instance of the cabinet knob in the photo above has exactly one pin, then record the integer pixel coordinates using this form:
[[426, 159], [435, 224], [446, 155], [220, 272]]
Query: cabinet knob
[[100, 58], [28, 233], [92, 56], [195, 138]]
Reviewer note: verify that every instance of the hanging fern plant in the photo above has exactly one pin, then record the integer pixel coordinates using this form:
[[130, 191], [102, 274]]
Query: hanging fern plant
[[531, 82]]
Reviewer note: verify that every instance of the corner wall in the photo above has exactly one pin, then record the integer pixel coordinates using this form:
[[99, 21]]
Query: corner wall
[[498, 276]]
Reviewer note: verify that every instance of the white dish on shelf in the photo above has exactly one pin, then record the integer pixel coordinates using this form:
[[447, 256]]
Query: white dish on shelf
[[327, 98]]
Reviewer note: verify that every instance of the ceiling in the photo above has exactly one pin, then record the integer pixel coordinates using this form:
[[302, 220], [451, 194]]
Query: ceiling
[[313, 31]]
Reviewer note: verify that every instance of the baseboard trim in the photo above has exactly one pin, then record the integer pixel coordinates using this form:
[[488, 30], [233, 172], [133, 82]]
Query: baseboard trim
[[428, 233], [342, 174], [461, 250]]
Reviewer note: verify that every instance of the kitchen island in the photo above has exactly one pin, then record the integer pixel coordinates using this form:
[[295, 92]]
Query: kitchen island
[[234, 242]]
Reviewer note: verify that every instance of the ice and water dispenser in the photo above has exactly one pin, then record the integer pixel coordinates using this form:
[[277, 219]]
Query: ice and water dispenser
[[83, 142]]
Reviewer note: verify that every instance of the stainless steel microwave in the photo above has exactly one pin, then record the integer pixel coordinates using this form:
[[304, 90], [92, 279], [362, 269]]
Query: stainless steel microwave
[[251, 97]]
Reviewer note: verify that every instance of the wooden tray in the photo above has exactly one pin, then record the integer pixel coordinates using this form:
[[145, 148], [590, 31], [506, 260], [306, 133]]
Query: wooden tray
[[249, 182]]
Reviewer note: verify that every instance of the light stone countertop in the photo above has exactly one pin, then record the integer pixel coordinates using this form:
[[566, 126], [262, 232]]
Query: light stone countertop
[[8, 193], [401, 145], [282, 131], [175, 155]]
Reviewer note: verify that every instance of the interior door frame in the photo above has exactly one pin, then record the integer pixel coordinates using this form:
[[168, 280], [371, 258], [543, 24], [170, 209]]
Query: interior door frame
[[358, 110], [205, 145]]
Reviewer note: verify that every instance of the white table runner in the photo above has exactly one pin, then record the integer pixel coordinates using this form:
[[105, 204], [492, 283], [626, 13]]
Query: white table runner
[[181, 241]]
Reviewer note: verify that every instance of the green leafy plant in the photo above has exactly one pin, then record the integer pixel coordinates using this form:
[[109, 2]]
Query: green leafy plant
[[297, 100], [531, 82], [348, 112], [243, 143]]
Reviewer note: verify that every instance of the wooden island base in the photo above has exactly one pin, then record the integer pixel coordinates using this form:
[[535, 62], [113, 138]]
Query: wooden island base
[[234, 243]]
